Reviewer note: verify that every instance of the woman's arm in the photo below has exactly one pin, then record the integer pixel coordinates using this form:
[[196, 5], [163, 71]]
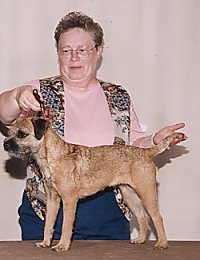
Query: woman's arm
[[139, 137]]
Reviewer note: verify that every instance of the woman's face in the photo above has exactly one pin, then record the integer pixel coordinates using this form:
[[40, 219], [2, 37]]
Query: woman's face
[[77, 56]]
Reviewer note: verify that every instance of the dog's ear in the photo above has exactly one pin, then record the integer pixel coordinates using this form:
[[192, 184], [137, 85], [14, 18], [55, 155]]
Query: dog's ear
[[40, 126]]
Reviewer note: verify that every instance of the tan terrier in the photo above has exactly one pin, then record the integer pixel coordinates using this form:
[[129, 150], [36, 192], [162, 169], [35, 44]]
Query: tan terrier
[[71, 172]]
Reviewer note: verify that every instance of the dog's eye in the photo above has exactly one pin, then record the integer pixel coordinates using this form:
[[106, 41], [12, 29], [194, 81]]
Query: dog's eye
[[21, 134]]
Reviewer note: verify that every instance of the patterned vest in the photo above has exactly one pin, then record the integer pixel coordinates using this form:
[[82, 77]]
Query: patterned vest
[[52, 90]]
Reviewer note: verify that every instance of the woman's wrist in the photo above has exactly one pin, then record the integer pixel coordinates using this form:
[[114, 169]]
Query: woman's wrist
[[153, 138], [16, 96], [10, 109]]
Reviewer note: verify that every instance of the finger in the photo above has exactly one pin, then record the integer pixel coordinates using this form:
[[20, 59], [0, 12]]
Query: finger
[[33, 106], [28, 105], [177, 126]]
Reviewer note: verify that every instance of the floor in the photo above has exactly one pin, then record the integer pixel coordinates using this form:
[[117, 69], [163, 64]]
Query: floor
[[98, 250]]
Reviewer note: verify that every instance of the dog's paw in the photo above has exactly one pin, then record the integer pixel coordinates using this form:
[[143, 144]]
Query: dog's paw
[[138, 240], [42, 244], [60, 247], [161, 245]]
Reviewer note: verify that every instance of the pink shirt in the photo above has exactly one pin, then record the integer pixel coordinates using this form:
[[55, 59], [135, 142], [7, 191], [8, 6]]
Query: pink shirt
[[88, 120]]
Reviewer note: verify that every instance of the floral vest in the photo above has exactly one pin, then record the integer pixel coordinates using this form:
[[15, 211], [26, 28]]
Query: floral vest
[[52, 90]]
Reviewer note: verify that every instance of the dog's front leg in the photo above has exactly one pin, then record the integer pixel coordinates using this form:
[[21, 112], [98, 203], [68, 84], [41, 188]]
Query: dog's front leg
[[69, 210], [52, 207]]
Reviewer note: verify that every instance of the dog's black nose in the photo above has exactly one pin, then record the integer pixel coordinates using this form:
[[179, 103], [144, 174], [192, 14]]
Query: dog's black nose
[[6, 145], [10, 145]]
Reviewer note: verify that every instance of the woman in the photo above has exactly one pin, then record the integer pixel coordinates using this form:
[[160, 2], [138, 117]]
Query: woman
[[83, 110]]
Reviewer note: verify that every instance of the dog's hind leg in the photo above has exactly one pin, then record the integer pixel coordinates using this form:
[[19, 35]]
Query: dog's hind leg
[[133, 202], [147, 192], [52, 207], [150, 202]]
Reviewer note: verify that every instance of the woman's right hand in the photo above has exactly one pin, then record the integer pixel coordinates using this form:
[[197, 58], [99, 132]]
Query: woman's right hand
[[26, 100]]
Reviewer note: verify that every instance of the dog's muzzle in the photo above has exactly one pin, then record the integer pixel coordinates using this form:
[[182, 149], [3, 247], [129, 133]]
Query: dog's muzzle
[[11, 146]]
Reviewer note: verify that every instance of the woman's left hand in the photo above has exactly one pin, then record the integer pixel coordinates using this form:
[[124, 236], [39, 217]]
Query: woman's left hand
[[164, 132]]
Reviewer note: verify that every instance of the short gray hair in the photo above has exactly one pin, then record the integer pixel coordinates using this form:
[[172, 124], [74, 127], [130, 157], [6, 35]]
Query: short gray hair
[[79, 20]]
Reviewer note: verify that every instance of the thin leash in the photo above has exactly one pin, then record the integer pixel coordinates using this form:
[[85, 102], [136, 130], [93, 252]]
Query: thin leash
[[37, 97]]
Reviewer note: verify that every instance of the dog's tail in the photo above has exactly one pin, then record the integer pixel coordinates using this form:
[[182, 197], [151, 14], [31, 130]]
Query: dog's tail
[[161, 147]]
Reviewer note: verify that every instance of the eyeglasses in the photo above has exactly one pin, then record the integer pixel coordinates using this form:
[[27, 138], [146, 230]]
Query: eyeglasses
[[82, 52]]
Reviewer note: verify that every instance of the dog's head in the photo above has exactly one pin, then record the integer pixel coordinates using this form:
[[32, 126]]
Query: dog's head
[[25, 136]]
